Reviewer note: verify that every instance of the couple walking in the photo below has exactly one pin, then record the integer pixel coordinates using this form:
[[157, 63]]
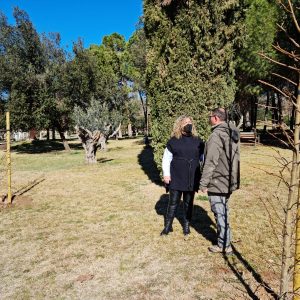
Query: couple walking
[[220, 172]]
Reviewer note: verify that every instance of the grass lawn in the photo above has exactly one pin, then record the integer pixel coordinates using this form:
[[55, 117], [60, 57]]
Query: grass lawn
[[92, 231]]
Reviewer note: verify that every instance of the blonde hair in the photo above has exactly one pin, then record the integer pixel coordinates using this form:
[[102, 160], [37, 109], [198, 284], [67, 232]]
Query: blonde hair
[[177, 127]]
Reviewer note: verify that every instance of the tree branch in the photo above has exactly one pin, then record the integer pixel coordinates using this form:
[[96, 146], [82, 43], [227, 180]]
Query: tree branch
[[284, 6], [283, 77], [278, 90], [278, 63], [290, 38], [287, 53], [115, 132], [293, 15]]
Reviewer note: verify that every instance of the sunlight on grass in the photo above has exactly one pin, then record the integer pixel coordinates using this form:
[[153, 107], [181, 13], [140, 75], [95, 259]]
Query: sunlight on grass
[[102, 223]]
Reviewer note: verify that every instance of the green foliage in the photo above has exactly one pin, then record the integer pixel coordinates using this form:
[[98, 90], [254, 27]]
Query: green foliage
[[259, 33], [134, 113], [190, 66], [22, 63], [107, 97], [115, 42], [134, 66], [202, 198], [96, 117], [286, 40], [40, 84], [110, 85]]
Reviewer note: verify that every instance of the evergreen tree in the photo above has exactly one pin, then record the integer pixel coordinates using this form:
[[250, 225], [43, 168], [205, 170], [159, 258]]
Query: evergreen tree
[[134, 67], [190, 69], [22, 63], [258, 33], [106, 106]]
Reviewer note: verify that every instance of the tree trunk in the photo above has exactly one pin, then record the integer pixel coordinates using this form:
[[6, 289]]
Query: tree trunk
[[120, 132], [266, 110], [53, 133], [115, 133], [293, 111], [247, 124], [90, 142], [32, 134], [148, 121], [274, 111], [253, 111], [48, 134], [64, 140], [292, 118], [296, 283], [90, 152], [279, 105], [129, 130], [289, 220], [144, 106]]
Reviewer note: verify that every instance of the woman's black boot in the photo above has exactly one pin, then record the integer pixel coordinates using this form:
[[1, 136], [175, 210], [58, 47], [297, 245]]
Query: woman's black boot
[[168, 227], [186, 227], [172, 207], [188, 202]]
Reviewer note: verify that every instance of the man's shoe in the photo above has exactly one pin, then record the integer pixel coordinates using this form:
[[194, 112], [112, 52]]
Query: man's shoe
[[217, 249]]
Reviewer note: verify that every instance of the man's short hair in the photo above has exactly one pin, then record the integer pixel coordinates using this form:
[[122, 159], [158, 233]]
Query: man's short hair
[[221, 113]]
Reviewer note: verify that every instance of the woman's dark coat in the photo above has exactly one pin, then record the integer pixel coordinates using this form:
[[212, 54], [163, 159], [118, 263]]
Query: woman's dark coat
[[185, 166]]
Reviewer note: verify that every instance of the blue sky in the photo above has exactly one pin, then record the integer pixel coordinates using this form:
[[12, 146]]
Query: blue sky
[[88, 19]]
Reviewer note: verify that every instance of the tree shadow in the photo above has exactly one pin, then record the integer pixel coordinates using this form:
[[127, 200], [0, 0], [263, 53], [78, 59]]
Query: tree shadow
[[205, 226], [21, 191], [161, 207], [103, 160], [234, 260], [118, 148], [43, 146], [148, 165]]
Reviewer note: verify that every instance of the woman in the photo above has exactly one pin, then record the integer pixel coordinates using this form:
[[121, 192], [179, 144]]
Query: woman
[[181, 170]]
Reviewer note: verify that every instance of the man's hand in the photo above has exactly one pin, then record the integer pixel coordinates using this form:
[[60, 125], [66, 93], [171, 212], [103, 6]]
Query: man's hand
[[203, 190], [167, 179]]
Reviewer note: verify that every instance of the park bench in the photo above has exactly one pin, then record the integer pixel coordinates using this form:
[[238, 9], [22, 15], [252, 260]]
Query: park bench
[[249, 136]]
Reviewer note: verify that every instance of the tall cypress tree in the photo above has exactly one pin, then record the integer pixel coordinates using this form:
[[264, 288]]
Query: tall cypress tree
[[190, 69]]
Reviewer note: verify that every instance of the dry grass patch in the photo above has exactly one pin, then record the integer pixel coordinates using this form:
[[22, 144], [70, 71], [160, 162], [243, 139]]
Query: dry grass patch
[[92, 232]]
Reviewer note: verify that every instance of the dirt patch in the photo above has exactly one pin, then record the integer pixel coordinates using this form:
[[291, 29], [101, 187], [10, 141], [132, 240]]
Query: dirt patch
[[17, 201], [85, 277]]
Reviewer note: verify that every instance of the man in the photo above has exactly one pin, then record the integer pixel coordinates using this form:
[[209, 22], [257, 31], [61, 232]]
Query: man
[[221, 174]]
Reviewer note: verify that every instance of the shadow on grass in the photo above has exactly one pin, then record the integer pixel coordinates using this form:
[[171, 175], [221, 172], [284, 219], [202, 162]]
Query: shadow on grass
[[203, 224], [115, 149], [139, 142], [148, 165], [38, 146], [201, 221], [235, 261], [103, 160], [29, 186]]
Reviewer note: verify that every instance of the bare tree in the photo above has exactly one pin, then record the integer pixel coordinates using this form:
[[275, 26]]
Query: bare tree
[[290, 65]]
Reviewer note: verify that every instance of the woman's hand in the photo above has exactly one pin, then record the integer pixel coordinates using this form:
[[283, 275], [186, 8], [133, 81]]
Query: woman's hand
[[167, 179]]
